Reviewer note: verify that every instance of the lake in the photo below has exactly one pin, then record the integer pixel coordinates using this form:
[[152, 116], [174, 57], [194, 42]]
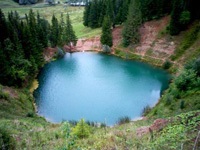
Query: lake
[[97, 87]]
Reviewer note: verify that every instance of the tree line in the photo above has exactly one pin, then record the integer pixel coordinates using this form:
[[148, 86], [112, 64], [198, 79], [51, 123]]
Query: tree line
[[22, 43], [96, 10], [132, 13]]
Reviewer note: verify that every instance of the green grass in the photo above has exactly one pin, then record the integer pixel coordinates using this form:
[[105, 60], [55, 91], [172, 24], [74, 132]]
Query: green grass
[[189, 39], [8, 3], [46, 11]]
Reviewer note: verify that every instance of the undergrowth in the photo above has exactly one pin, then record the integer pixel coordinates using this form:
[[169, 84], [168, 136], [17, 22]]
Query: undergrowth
[[190, 37]]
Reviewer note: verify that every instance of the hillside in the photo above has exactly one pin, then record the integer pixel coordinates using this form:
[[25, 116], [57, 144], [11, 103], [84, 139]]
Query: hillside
[[174, 123], [21, 128]]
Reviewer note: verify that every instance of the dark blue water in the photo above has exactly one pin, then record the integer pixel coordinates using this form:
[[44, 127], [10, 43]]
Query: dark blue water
[[97, 87]]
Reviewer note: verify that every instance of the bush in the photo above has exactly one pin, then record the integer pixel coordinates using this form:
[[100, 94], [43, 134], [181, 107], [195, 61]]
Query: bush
[[103, 125], [60, 53], [6, 141], [186, 80], [30, 114], [146, 110], [106, 49], [123, 120], [182, 104], [187, 42], [166, 65], [82, 129], [168, 100], [185, 17], [195, 65], [73, 122]]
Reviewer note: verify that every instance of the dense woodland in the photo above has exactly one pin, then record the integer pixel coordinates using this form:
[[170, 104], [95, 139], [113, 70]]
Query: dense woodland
[[22, 43], [134, 13], [21, 57]]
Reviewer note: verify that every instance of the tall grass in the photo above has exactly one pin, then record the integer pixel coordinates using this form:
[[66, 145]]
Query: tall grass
[[187, 42]]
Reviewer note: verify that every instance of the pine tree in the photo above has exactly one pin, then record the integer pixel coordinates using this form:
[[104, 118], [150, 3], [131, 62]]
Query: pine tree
[[54, 35], [36, 46], [94, 15], [62, 29], [110, 11], [82, 129], [42, 28], [106, 37], [86, 14], [130, 31], [175, 26], [3, 27], [102, 11], [70, 37]]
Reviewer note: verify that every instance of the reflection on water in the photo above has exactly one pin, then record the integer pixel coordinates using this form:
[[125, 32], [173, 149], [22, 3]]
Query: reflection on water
[[97, 87]]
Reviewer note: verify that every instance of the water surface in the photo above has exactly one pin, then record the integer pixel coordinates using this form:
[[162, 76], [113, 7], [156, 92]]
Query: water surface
[[97, 87]]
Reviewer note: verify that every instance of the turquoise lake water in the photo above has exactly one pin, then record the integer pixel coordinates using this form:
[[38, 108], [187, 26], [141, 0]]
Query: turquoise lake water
[[97, 87]]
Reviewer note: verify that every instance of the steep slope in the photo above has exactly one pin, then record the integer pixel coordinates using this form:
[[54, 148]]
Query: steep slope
[[21, 128]]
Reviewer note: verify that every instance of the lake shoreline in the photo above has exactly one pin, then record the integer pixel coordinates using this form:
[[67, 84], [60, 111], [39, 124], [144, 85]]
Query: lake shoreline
[[90, 55]]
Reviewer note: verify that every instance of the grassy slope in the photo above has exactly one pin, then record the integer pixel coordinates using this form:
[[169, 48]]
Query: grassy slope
[[26, 130], [46, 11]]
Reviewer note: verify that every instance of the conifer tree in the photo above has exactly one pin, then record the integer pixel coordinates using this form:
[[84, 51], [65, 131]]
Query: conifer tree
[[70, 37], [106, 37], [86, 13], [42, 28], [110, 11], [54, 35], [82, 129], [122, 11], [130, 31], [102, 11], [175, 26], [94, 15], [62, 30], [3, 27]]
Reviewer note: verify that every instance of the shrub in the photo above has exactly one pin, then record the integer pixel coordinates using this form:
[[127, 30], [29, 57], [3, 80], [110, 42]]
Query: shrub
[[82, 129], [182, 104], [91, 123], [166, 65], [103, 125], [106, 49], [72, 122], [195, 65], [30, 114], [168, 100], [185, 17], [60, 53], [123, 120], [186, 80], [6, 141], [187, 42], [146, 110]]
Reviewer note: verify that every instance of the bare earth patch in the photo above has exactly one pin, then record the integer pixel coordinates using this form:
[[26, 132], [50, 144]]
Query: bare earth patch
[[153, 43], [157, 125], [150, 39], [95, 44], [49, 53]]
